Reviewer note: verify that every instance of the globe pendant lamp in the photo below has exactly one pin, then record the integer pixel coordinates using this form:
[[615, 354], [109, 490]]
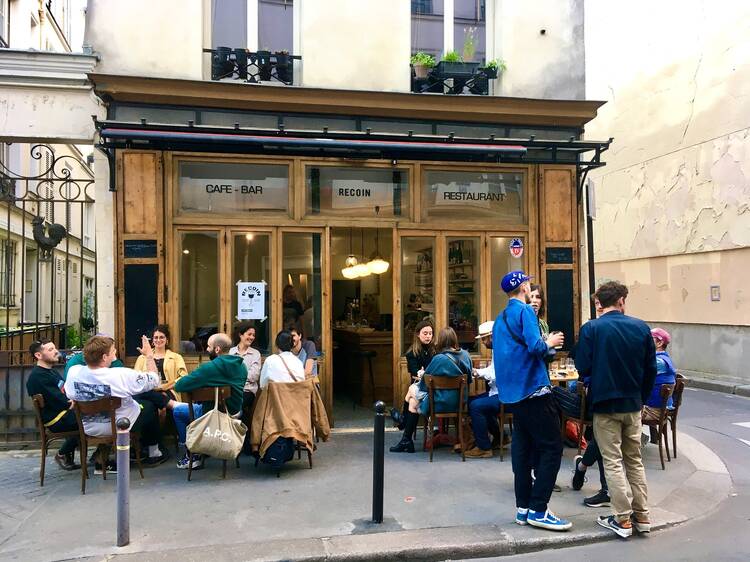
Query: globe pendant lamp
[[361, 269], [351, 262], [377, 264]]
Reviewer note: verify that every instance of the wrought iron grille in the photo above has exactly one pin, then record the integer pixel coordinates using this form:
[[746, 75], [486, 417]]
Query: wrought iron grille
[[253, 67], [47, 272]]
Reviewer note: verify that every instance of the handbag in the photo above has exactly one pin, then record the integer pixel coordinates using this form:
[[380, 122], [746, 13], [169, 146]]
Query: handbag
[[216, 434]]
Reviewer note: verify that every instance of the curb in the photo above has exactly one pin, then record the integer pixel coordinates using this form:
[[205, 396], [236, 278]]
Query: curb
[[719, 386]]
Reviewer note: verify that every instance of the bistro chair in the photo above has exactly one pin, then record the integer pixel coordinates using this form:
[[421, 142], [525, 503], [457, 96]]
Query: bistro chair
[[208, 394], [579, 421], [661, 423], [47, 435], [503, 417], [438, 382], [109, 407], [672, 414]]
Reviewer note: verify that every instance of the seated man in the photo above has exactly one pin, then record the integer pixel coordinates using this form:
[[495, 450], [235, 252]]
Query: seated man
[[283, 366], [98, 379], [57, 414], [223, 370], [665, 374], [304, 350], [485, 407]]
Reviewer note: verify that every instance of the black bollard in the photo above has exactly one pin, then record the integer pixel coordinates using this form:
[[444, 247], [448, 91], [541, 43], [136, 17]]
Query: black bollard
[[123, 481], [378, 460]]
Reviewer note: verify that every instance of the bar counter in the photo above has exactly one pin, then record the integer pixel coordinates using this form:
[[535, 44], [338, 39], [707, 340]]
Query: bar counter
[[353, 367]]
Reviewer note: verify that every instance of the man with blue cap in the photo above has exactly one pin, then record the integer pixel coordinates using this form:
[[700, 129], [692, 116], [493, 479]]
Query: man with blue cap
[[518, 353]]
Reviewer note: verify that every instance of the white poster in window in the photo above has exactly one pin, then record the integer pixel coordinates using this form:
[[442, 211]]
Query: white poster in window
[[232, 195], [251, 300], [355, 194], [473, 194]]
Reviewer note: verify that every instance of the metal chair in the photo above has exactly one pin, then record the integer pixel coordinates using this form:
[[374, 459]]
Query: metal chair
[[438, 382], [48, 436]]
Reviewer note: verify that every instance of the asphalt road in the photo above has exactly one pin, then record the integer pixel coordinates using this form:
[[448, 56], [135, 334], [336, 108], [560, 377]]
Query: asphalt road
[[723, 534]]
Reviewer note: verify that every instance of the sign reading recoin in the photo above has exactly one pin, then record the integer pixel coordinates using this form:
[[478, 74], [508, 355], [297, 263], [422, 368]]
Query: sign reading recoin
[[251, 300]]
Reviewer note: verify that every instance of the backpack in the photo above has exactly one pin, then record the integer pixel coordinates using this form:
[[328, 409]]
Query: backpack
[[279, 452]]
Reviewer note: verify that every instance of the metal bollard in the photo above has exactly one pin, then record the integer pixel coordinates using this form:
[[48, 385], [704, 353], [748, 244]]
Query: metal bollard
[[123, 481], [378, 460]]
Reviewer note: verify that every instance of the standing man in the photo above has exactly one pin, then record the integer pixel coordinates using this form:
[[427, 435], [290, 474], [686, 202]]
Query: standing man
[[57, 414], [518, 352], [617, 353]]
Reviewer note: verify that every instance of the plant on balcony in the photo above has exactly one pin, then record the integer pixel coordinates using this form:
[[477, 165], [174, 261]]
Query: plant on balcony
[[493, 67], [283, 66], [422, 63], [470, 47], [453, 66]]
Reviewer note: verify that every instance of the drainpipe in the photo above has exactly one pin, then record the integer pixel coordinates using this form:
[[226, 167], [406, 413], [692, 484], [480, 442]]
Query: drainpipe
[[590, 243]]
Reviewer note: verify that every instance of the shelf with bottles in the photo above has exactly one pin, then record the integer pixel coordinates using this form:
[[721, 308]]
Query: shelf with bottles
[[459, 254], [424, 261], [462, 293]]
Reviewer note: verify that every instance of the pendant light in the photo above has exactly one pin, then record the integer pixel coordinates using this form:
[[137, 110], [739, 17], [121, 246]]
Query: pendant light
[[377, 264], [351, 261], [361, 269]]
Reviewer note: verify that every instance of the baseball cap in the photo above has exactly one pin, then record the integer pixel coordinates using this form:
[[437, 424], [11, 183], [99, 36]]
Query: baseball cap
[[661, 335], [513, 280], [485, 329]]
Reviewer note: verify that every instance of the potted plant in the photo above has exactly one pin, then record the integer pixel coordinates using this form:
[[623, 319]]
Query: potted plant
[[422, 63], [453, 66], [283, 66], [263, 62], [493, 67]]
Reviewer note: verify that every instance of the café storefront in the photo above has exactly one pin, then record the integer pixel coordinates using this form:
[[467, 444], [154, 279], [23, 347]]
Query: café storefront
[[353, 215]]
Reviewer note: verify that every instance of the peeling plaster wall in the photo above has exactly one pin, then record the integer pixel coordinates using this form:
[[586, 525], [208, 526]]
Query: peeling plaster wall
[[673, 202], [549, 65]]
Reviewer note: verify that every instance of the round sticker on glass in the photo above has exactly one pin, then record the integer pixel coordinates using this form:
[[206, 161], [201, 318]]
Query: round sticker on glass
[[516, 247]]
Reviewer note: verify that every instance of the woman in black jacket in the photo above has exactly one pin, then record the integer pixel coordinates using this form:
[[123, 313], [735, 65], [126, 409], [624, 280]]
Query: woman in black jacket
[[418, 356]]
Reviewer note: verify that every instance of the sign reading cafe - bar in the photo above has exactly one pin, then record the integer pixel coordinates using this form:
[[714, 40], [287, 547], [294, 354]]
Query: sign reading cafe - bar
[[232, 188]]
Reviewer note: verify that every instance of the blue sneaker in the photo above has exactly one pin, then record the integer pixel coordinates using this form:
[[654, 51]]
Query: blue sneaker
[[521, 516], [547, 520]]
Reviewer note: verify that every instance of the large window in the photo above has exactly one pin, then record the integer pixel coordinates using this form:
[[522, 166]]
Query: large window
[[220, 187], [199, 289], [427, 27], [229, 23], [476, 194], [506, 254], [357, 192], [275, 25], [417, 284], [463, 290], [301, 289], [469, 29], [251, 263]]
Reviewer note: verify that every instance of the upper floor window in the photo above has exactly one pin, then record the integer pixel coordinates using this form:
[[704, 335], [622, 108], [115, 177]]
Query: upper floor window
[[469, 30], [4, 23], [427, 27], [239, 25], [275, 25], [229, 23]]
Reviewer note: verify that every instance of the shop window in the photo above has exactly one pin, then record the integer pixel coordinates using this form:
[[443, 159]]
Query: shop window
[[417, 285], [357, 192], [220, 187], [198, 276], [472, 195], [506, 254], [302, 284], [463, 290], [275, 22], [251, 263]]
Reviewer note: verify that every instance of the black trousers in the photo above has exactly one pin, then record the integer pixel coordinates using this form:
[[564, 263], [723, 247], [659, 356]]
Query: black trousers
[[147, 424], [158, 399], [66, 423], [593, 455], [537, 444]]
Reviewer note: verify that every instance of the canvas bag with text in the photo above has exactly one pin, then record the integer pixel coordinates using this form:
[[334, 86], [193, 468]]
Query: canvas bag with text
[[216, 434]]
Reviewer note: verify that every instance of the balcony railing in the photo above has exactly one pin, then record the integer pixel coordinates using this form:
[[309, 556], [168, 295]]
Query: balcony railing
[[455, 78], [262, 66]]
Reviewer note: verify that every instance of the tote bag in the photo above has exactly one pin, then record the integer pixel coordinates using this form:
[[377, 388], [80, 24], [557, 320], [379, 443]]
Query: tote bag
[[216, 434]]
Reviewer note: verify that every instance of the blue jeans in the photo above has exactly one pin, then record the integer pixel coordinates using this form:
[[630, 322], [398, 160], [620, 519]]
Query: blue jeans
[[181, 415], [483, 410]]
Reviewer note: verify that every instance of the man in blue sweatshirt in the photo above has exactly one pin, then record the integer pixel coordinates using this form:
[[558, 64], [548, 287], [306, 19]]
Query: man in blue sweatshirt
[[617, 352], [518, 352]]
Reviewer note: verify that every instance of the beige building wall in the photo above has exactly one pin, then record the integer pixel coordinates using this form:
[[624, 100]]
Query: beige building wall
[[673, 203]]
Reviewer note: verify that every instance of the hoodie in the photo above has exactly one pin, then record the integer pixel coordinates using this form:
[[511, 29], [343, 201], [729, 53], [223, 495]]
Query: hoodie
[[224, 370]]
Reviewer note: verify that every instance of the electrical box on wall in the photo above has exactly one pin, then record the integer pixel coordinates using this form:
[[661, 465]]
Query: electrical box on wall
[[715, 293]]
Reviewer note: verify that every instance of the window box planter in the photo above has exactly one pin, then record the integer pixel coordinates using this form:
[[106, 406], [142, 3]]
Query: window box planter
[[489, 73], [284, 67], [263, 62], [446, 69]]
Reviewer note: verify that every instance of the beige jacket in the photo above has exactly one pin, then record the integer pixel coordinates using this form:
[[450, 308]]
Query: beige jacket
[[174, 367], [288, 409]]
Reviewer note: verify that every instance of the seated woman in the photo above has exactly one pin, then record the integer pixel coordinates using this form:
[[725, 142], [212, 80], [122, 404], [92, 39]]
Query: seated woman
[[171, 367], [665, 374], [449, 361], [418, 357], [284, 365], [243, 338]]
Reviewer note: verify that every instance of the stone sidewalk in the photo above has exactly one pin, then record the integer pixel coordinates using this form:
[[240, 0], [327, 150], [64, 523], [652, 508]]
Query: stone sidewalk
[[444, 509]]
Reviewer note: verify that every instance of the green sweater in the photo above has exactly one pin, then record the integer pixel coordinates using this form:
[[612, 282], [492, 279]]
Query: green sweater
[[77, 359], [225, 370]]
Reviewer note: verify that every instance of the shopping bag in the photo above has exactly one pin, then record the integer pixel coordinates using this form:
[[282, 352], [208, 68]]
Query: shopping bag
[[572, 430], [216, 434]]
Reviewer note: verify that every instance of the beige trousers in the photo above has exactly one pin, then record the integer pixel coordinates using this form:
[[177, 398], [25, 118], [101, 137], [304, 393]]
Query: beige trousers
[[619, 440]]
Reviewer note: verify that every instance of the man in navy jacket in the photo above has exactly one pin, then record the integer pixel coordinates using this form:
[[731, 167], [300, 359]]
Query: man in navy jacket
[[617, 352], [518, 352]]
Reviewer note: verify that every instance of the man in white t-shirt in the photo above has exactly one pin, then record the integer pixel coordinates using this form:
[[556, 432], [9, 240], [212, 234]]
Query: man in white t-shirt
[[97, 380], [283, 366]]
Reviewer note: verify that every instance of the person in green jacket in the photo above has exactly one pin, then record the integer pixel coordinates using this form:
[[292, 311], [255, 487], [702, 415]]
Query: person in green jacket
[[222, 370]]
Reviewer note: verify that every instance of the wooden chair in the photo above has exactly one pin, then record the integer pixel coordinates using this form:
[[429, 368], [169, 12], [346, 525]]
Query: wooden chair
[[208, 394], [47, 435], [661, 423], [672, 414], [109, 407], [504, 417], [581, 420], [437, 382]]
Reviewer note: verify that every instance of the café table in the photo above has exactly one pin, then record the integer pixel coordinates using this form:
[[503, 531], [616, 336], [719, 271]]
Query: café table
[[562, 378]]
